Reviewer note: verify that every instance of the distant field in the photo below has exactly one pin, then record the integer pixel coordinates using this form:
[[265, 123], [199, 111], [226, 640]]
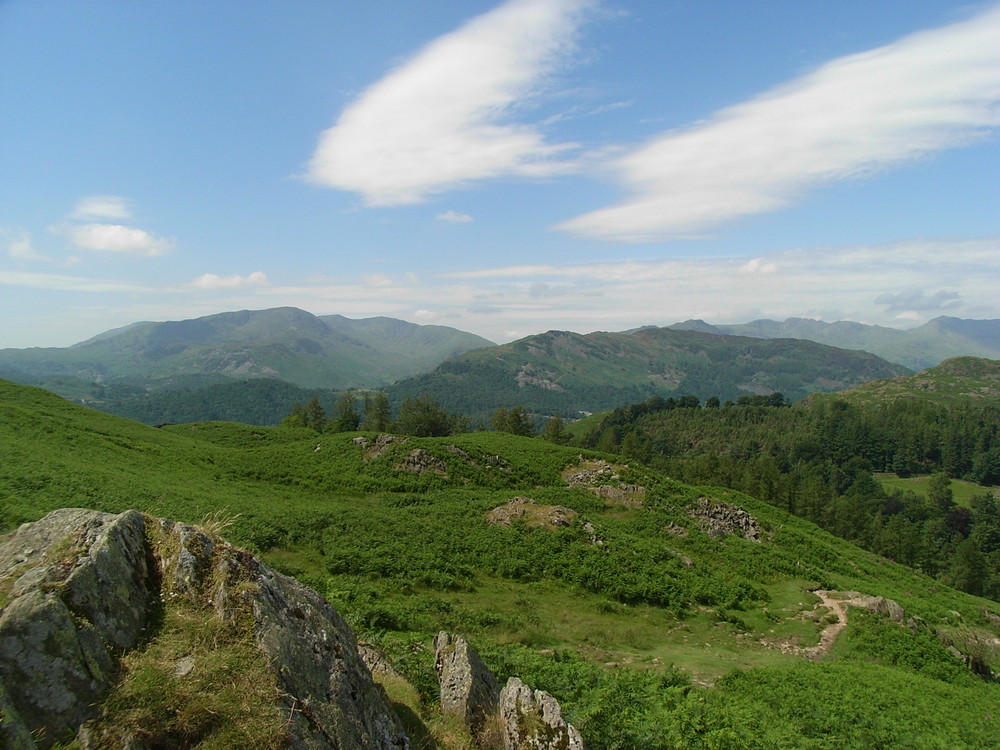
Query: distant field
[[962, 491]]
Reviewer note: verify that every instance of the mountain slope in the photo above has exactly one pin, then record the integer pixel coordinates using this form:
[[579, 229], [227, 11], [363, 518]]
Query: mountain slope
[[916, 348], [565, 373], [285, 343], [956, 380]]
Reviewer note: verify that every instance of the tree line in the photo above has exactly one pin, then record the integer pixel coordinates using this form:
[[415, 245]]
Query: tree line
[[816, 459]]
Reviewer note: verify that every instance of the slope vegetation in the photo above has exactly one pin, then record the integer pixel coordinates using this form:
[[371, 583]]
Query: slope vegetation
[[659, 614]]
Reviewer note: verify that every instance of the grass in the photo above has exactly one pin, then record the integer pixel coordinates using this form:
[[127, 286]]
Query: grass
[[962, 491], [625, 634]]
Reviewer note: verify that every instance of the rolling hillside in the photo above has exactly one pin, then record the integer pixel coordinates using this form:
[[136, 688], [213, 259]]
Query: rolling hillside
[[659, 614], [917, 348], [956, 380], [283, 343], [568, 373]]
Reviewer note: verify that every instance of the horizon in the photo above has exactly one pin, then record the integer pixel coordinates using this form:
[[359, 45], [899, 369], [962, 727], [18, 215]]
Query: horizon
[[499, 343], [503, 168]]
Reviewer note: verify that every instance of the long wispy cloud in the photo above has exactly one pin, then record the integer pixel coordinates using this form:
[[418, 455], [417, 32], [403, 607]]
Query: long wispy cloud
[[64, 283], [102, 207], [236, 281], [851, 117], [449, 116]]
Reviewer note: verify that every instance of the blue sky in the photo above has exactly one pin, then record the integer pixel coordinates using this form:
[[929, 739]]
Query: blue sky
[[503, 168]]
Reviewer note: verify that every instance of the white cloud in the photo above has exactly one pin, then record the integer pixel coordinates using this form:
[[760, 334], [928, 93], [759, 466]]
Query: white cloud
[[758, 265], [58, 282], [19, 245], [115, 238], [454, 217], [102, 207], [378, 279], [214, 281], [853, 116], [445, 118]]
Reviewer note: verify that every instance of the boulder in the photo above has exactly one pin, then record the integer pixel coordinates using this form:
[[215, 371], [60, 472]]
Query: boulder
[[80, 588], [468, 688], [533, 720]]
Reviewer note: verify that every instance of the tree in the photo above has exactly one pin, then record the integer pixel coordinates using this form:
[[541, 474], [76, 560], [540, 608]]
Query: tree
[[315, 415], [346, 418], [939, 494], [423, 417], [378, 415], [515, 421], [297, 417], [555, 431]]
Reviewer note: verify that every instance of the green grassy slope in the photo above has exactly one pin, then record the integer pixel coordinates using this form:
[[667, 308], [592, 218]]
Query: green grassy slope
[[954, 381], [403, 554]]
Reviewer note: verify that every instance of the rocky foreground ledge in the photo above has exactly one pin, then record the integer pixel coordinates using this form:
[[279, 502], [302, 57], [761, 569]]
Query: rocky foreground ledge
[[132, 632], [81, 590]]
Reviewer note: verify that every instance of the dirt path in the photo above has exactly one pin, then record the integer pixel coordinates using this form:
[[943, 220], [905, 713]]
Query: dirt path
[[831, 631]]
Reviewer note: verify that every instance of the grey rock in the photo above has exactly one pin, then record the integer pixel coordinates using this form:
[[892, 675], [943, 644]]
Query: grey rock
[[328, 692], [533, 720], [376, 660], [468, 688], [80, 589], [80, 592], [718, 519]]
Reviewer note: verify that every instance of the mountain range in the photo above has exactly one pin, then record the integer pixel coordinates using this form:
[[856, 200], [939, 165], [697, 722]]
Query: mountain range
[[917, 348], [200, 368], [565, 373], [286, 343]]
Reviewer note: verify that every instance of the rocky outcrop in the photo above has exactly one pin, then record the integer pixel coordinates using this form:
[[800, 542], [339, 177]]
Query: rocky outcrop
[[603, 479], [468, 687], [533, 720], [419, 461], [718, 519], [382, 443], [81, 588], [77, 588], [517, 716], [532, 513], [887, 608]]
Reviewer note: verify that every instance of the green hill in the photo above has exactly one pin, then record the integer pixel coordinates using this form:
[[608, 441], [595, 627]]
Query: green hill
[[568, 373], [284, 343], [917, 348], [956, 380], [659, 614]]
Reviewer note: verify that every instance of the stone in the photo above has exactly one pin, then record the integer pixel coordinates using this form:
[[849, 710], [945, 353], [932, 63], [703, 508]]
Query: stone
[[533, 720], [532, 513], [80, 589], [419, 461], [468, 688], [376, 660], [718, 519]]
